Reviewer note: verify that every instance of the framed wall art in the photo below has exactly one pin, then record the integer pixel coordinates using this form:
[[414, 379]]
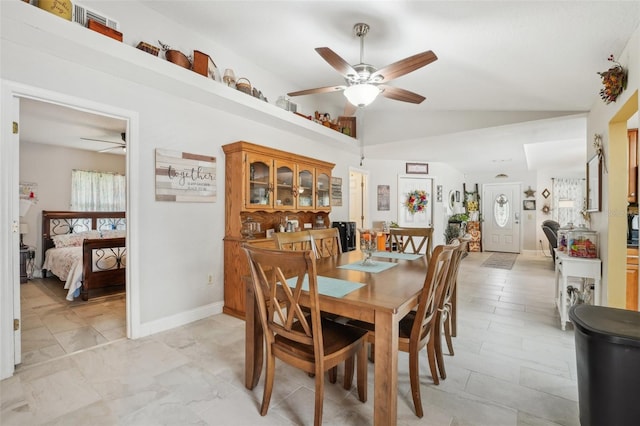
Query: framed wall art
[[384, 201], [336, 191], [528, 204], [417, 168], [185, 177]]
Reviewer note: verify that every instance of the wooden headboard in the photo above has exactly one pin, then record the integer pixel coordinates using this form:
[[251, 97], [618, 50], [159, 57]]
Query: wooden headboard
[[67, 222]]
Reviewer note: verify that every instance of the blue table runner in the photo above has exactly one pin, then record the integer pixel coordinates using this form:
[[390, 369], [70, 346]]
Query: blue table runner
[[328, 286], [375, 268], [397, 255]]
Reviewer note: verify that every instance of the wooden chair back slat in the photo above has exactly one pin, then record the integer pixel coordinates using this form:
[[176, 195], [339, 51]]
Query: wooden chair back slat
[[326, 242], [434, 284], [294, 241], [413, 240]]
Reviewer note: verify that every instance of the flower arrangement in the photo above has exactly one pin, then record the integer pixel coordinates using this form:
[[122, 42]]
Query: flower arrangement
[[472, 205], [416, 201], [614, 80]]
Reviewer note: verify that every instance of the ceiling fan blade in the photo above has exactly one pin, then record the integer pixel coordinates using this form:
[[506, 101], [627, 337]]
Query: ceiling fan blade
[[349, 109], [402, 67], [102, 140], [317, 90], [398, 94], [339, 64], [113, 148]]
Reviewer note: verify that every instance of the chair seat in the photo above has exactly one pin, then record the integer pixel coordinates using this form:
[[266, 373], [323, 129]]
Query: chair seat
[[335, 337]]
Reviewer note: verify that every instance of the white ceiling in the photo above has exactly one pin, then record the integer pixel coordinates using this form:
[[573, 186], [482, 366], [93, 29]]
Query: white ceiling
[[501, 64]]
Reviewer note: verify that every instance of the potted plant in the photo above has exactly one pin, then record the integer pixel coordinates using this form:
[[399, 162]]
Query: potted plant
[[459, 218], [451, 231]]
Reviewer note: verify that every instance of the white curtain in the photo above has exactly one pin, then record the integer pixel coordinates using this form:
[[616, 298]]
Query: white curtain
[[568, 200], [97, 191]]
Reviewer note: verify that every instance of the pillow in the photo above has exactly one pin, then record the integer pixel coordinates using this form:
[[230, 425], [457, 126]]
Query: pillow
[[114, 233], [73, 240]]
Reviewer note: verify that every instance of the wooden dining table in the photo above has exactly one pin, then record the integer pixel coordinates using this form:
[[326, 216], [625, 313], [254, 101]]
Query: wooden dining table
[[383, 300]]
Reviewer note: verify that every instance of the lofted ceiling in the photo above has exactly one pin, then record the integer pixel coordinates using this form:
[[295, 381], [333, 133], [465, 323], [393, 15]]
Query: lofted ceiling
[[511, 85]]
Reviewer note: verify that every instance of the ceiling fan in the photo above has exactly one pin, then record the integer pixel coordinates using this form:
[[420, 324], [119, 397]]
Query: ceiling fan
[[364, 82], [118, 145]]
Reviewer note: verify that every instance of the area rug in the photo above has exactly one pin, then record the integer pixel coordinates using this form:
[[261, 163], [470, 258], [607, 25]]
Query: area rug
[[500, 260]]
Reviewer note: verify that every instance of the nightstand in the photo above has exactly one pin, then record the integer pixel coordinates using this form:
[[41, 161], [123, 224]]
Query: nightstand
[[26, 264]]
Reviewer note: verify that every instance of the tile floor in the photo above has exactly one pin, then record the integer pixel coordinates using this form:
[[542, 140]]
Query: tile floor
[[513, 366], [53, 326]]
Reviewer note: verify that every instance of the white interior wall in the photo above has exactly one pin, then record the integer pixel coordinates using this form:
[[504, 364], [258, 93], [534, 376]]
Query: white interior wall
[[385, 172], [180, 243]]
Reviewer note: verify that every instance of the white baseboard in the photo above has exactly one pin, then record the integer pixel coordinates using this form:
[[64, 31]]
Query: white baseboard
[[177, 320]]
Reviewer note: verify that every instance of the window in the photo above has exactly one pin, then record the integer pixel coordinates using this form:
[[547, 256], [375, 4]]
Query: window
[[501, 210], [97, 191]]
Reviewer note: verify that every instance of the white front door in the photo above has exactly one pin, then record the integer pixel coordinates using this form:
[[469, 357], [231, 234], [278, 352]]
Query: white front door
[[501, 211], [358, 199]]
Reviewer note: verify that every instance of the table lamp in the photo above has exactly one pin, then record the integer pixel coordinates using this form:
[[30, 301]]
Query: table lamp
[[24, 229]]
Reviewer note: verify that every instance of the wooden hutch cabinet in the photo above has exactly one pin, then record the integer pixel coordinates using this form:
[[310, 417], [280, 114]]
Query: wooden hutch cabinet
[[264, 186]]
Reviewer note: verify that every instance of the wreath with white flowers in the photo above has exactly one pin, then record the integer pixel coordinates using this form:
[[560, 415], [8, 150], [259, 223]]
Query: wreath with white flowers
[[416, 201]]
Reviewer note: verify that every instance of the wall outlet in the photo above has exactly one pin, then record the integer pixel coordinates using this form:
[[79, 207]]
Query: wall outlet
[[210, 279]]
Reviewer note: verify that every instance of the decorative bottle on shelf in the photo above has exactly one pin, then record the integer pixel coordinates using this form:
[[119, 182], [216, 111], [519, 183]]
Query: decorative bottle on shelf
[[283, 225]]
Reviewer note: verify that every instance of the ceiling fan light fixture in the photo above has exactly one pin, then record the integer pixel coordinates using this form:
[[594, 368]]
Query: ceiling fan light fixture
[[361, 95]]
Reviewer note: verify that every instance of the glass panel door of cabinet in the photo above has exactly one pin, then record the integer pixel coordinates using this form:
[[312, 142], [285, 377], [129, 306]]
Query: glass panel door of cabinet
[[322, 190], [285, 196], [305, 188], [259, 184]]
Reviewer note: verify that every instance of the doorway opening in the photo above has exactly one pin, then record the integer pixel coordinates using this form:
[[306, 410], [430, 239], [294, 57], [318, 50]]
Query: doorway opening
[[53, 325], [13, 324], [358, 197]]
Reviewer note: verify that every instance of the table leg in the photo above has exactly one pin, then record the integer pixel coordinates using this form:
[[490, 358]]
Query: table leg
[[253, 351], [454, 311], [385, 402], [563, 302]]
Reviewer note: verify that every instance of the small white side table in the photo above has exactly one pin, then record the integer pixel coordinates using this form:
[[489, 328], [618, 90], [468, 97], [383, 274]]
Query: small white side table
[[567, 266]]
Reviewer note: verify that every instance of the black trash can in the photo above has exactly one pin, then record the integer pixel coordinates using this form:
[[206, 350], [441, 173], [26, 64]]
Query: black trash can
[[608, 365]]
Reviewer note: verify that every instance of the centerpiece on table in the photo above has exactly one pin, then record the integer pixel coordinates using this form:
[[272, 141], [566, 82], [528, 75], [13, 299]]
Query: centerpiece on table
[[368, 245]]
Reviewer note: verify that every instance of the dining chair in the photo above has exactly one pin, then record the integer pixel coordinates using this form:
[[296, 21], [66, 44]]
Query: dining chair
[[326, 242], [415, 330], [294, 241], [443, 320], [412, 240], [301, 338], [304, 240]]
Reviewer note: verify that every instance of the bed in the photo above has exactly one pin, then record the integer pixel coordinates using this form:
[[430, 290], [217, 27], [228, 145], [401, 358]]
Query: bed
[[86, 250]]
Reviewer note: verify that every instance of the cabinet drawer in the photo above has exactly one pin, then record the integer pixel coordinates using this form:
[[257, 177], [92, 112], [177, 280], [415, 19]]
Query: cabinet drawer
[[269, 243]]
